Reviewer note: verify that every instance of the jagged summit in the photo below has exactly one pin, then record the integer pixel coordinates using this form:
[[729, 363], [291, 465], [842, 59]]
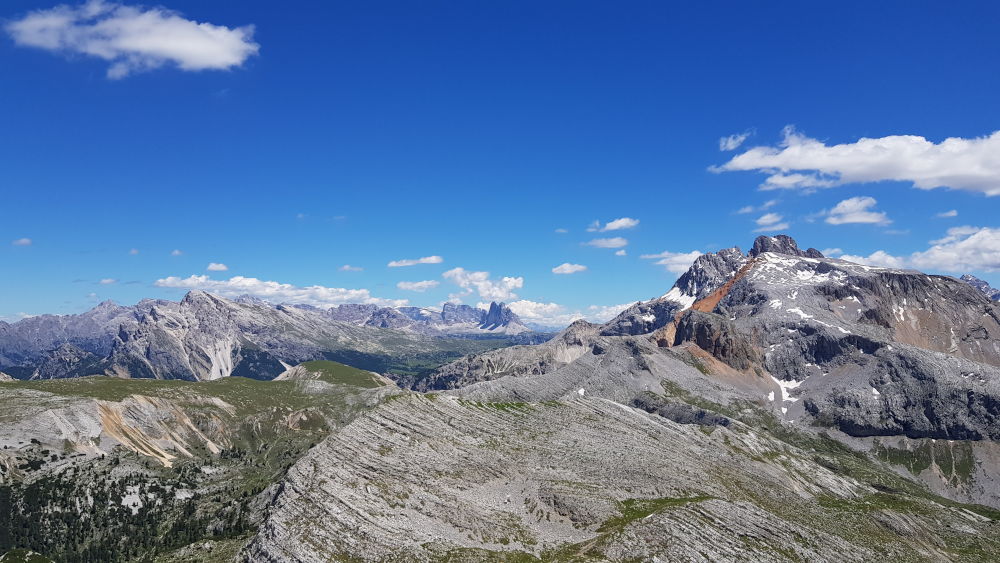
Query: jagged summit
[[781, 244], [981, 285]]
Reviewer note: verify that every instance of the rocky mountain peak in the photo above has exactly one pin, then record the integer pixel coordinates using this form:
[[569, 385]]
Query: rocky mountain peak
[[982, 286], [498, 316], [781, 244]]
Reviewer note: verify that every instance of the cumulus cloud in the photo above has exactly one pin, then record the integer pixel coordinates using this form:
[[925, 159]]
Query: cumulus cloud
[[676, 262], [962, 249], [857, 210], [415, 261], [733, 142], [108, 281], [273, 291], [613, 225], [216, 267], [832, 251], [554, 314], [419, 286], [614, 242], [567, 268], [952, 213], [22, 242], [621, 252], [801, 162], [134, 39], [349, 268], [480, 282], [877, 258]]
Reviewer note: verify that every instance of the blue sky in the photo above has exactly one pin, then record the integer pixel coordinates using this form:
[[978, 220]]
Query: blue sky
[[360, 133]]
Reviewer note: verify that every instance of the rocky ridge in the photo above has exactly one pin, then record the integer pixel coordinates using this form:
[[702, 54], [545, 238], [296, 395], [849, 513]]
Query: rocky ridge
[[206, 337]]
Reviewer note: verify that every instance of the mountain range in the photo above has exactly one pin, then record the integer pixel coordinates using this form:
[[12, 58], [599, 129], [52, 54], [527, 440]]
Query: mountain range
[[206, 337], [773, 405]]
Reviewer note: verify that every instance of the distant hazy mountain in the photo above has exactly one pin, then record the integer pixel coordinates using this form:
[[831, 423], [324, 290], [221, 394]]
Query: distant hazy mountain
[[451, 319], [208, 337], [982, 286]]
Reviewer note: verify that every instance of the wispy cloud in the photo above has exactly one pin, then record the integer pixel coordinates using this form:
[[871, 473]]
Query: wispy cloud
[[108, 281], [415, 261], [762, 207], [613, 225], [676, 262], [317, 295], [349, 268], [769, 223], [418, 286], [22, 242], [951, 213], [733, 142], [615, 242], [800, 162], [134, 39], [567, 268], [176, 252]]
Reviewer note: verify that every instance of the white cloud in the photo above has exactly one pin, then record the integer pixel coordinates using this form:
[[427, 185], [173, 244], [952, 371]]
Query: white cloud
[[877, 258], [490, 290], [857, 210], [733, 142], [134, 39], [762, 207], [770, 222], [134, 251], [952, 213], [22, 242], [176, 252], [554, 314], [832, 252], [349, 268], [772, 228], [614, 242], [613, 225], [419, 286], [544, 313], [621, 252], [604, 313], [676, 262], [962, 249], [216, 267], [415, 261], [567, 268], [317, 295], [108, 281], [562, 231], [801, 162], [768, 219]]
